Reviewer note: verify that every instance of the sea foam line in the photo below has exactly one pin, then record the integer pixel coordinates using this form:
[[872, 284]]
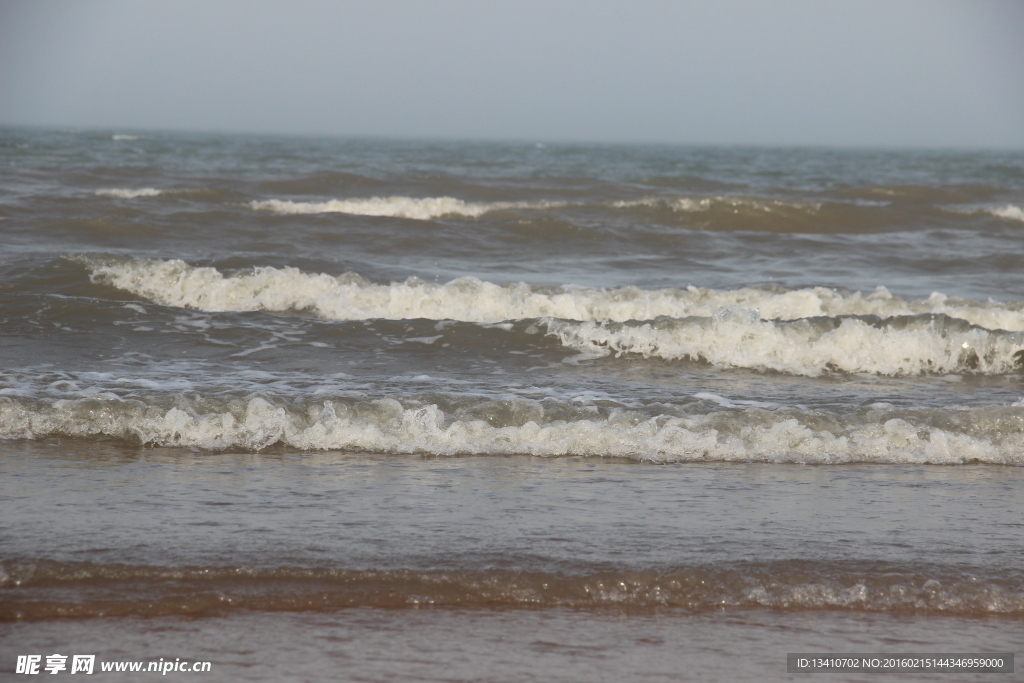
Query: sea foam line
[[386, 426], [1008, 212], [125, 193], [351, 297], [726, 202], [397, 207]]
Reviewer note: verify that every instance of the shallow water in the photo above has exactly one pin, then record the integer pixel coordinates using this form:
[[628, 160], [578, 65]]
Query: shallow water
[[520, 645], [179, 533]]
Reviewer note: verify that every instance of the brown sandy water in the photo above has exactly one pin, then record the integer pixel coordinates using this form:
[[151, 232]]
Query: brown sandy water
[[364, 567]]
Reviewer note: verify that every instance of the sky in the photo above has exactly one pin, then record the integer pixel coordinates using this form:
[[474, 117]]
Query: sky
[[919, 73]]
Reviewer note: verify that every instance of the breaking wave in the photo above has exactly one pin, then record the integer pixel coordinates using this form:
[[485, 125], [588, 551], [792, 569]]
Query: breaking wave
[[123, 193], [736, 337], [40, 589], [722, 202], [524, 426], [769, 214], [397, 207], [351, 297], [1008, 212]]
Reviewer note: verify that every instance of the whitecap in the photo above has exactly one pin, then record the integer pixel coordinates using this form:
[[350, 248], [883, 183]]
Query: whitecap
[[386, 426], [123, 193], [1008, 212], [396, 207], [899, 346], [351, 297]]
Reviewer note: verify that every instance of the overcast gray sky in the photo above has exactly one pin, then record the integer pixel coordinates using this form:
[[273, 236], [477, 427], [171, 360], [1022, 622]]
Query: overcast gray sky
[[863, 72]]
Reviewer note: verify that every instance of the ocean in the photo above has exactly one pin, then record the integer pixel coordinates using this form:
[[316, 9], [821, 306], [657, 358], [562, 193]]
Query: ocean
[[381, 410]]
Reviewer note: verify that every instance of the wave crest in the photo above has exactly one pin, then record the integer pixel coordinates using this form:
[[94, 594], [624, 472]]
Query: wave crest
[[386, 426], [735, 337], [125, 193], [351, 297], [724, 203], [1008, 212], [397, 207]]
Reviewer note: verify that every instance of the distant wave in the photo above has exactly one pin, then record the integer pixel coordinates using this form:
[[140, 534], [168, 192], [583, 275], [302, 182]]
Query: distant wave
[[387, 426], [1008, 212], [726, 202], [770, 214], [123, 137], [396, 207], [122, 193], [351, 297]]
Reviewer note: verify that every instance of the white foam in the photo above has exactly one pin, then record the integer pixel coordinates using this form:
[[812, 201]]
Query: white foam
[[1009, 212], [715, 398], [121, 136], [397, 207], [350, 297], [385, 426], [122, 193], [726, 202], [737, 338]]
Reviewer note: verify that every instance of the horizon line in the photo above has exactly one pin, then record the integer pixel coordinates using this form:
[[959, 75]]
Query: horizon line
[[484, 139]]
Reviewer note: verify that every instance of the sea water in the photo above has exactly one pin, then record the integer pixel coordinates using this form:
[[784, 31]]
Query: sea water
[[380, 410]]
